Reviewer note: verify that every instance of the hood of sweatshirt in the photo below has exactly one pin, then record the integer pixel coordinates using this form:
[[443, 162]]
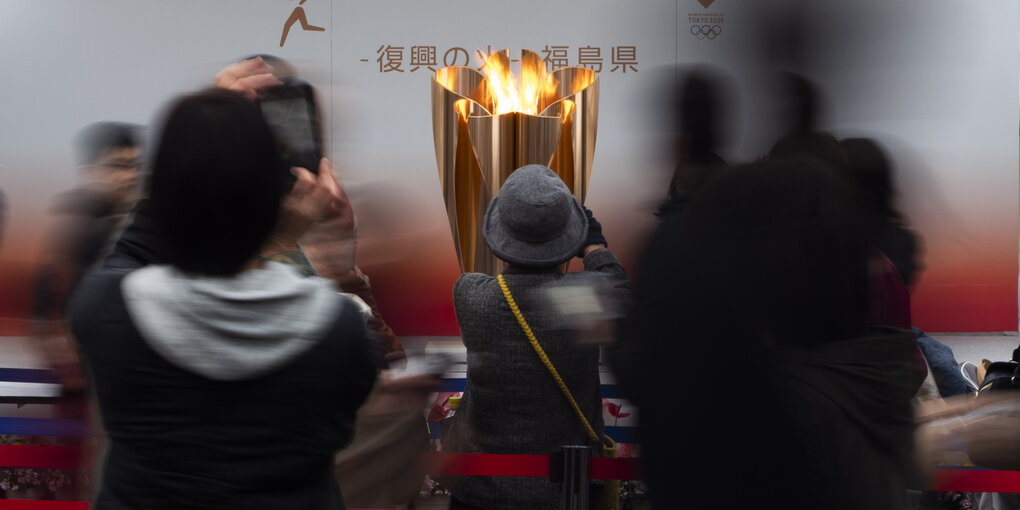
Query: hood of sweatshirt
[[231, 328]]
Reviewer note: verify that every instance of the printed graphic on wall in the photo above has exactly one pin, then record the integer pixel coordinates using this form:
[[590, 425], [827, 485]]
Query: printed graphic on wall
[[705, 25], [298, 16], [392, 58]]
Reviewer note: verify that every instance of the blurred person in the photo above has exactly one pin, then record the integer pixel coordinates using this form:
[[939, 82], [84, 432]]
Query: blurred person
[[890, 300], [511, 402], [699, 127], [330, 256], [85, 222], [223, 379], [799, 103], [87, 217], [750, 356], [872, 172], [382, 466]]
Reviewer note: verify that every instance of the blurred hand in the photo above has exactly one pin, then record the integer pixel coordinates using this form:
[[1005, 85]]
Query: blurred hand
[[314, 199], [62, 357], [396, 393], [331, 244], [120, 187], [247, 77]]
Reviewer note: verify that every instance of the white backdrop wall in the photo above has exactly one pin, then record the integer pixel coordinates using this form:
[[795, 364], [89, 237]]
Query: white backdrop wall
[[935, 81]]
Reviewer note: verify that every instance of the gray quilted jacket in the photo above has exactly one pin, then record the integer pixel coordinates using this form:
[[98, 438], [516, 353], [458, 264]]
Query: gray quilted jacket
[[511, 403]]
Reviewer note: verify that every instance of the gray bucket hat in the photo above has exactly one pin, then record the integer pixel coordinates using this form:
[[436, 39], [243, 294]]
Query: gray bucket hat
[[535, 221]]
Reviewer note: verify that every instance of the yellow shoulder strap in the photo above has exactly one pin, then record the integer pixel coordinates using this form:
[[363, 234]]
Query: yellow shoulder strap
[[545, 359]]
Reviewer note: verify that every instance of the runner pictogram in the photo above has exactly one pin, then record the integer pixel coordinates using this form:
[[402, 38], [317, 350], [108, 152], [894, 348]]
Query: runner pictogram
[[298, 16]]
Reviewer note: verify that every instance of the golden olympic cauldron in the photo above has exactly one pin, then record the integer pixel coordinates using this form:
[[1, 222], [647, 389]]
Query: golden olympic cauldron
[[485, 127]]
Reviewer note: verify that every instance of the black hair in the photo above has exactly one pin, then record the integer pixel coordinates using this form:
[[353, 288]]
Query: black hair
[[95, 139], [216, 183]]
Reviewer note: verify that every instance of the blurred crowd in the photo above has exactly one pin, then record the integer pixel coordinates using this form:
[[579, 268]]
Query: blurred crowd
[[213, 305]]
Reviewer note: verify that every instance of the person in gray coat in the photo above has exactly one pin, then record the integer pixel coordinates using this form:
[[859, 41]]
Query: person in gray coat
[[511, 403]]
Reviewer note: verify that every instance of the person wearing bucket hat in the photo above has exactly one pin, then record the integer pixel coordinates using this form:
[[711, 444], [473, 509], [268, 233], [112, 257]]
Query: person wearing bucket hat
[[535, 221], [511, 403]]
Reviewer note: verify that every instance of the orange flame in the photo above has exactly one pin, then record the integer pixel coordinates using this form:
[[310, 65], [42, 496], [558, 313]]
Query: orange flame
[[506, 95], [501, 85]]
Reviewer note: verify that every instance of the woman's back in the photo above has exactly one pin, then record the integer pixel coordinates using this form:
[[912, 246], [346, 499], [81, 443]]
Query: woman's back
[[511, 403], [182, 439]]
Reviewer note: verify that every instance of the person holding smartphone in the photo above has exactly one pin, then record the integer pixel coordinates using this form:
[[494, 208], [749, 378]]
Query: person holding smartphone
[[224, 380]]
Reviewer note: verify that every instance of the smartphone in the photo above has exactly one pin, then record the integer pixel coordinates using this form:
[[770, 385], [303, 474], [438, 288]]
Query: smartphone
[[292, 115]]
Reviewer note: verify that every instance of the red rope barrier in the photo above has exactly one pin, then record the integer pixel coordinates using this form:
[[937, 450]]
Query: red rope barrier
[[34, 456], [462, 464], [28, 504], [31, 504], [626, 468], [977, 480], [466, 464], [477, 464]]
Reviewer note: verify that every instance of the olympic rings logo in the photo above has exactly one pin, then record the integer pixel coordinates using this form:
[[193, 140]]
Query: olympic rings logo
[[706, 31]]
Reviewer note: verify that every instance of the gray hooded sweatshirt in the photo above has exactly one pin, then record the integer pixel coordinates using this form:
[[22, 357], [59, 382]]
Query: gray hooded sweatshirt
[[230, 328]]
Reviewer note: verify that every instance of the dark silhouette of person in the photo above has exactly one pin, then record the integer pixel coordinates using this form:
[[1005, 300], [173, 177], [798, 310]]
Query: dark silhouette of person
[[890, 299], [699, 126], [760, 290], [298, 16], [873, 173]]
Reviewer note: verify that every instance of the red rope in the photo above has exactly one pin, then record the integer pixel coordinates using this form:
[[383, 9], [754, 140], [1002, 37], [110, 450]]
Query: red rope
[[31, 504], [470, 464], [626, 468], [477, 464], [34, 456], [977, 480]]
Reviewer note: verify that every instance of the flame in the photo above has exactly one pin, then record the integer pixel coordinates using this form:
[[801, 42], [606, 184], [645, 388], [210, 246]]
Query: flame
[[506, 95], [568, 110], [447, 77], [461, 107], [501, 85], [531, 79]]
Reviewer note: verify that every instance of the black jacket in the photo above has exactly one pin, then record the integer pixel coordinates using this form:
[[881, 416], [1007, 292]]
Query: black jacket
[[181, 440]]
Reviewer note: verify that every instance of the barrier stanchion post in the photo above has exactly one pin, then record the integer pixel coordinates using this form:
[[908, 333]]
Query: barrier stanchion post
[[576, 477]]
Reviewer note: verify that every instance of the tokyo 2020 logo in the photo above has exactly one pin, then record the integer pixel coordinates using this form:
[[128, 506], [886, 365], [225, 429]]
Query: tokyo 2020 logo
[[706, 31]]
